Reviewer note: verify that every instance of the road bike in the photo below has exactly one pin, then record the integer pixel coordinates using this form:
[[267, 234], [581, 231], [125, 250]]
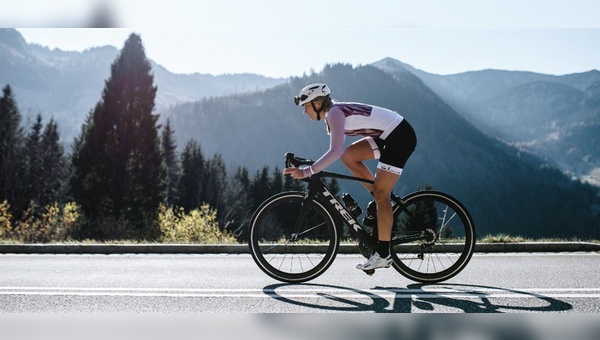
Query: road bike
[[294, 236]]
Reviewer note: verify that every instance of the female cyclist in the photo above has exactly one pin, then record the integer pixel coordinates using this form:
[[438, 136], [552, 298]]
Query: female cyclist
[[387, 137]]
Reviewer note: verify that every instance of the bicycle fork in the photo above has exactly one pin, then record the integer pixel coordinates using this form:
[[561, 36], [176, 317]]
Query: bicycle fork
[[308, 198]]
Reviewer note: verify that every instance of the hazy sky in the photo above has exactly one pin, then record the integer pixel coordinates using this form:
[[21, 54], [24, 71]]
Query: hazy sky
[[289, 38]]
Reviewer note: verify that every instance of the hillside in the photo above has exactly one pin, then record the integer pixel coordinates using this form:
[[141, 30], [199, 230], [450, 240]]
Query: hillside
[[506, 190], [67, 85], [557, 118]]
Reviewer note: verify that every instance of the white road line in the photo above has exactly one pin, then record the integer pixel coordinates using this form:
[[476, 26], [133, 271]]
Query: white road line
[[534, 293]]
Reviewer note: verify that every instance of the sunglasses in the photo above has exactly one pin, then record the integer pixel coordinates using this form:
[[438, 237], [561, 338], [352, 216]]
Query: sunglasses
[[297, 99]]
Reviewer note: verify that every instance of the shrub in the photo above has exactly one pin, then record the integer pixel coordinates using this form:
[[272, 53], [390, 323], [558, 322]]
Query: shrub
[[5, 219], [54, 224], [197, 226], [114, 229]]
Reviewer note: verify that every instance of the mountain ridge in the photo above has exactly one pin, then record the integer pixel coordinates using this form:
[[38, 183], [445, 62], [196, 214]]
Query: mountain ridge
[[506, 190], [66, 85], [541, 114]]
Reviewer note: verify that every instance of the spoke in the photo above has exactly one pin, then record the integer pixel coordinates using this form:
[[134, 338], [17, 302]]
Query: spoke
[[311, 229], [439, 259], [444, 222], [281, 263]]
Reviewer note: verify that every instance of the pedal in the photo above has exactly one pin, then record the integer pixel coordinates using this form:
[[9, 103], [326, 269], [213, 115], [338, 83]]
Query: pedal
[[369, 272]]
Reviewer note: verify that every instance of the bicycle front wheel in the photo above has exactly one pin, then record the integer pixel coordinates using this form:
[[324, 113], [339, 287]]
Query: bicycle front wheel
[[290, 255], [433, 237]]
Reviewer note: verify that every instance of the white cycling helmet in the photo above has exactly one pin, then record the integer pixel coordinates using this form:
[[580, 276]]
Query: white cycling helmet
[[311, 92]]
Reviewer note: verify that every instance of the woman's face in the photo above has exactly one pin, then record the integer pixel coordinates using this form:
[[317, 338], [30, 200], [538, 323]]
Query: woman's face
[[309, 111]]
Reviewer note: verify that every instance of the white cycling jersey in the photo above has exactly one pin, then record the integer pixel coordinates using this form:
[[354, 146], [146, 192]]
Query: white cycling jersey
[[368, 120], [354, 119]]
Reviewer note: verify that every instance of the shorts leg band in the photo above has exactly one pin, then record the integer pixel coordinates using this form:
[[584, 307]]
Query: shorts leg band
[[374, 147], [389, 168]]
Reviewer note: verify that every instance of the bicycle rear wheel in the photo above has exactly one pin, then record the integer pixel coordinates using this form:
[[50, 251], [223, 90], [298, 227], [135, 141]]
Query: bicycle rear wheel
[[446, 237], [293, 255]]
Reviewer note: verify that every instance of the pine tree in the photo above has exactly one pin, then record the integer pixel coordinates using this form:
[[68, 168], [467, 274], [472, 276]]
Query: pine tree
[[44, 166], [192, 176], [260, 188], [53, 164], [169, 149], [87, 187], [239, 205], [118, 167], [242, 178], [215, 183], [32, 173], [276, 184], [11, 144]]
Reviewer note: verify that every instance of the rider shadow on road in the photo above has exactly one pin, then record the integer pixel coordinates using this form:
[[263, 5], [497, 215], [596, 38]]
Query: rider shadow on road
[[415, 298]]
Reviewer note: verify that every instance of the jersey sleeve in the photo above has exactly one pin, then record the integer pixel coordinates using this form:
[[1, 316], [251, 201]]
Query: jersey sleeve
[[335, 119]]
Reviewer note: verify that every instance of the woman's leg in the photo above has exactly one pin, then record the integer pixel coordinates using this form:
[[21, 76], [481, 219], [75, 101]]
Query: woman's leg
[[353, 158], [385, 181], [384, 184]]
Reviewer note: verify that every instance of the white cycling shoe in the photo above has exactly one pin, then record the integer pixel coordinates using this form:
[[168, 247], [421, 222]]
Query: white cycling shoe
[[374, 262]]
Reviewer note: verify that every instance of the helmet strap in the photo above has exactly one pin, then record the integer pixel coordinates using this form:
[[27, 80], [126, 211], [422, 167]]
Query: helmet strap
[[317, 111]]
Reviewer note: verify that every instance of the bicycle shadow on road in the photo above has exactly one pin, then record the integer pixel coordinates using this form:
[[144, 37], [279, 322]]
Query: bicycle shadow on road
[[415, 298]]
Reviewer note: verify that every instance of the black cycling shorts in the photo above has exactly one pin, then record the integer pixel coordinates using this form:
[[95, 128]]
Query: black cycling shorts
[[396, 148]]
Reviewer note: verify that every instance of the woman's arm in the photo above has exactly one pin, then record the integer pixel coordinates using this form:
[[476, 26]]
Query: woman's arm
[[335, 119]]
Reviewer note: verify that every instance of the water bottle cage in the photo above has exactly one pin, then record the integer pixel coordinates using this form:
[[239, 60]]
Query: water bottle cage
[[371, 215], [351, 205]]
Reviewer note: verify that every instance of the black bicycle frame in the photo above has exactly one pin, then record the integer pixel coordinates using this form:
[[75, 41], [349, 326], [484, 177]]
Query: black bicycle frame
[[316, 185]]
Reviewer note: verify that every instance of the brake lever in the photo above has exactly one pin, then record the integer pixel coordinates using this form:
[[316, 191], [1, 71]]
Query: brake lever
[[292, 160], [288, 157]]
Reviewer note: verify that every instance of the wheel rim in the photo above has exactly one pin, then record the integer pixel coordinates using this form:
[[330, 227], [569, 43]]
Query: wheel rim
[[448, 237], [288, 256]]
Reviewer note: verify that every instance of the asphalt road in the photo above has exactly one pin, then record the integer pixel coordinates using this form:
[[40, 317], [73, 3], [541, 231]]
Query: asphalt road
[[134, 283]]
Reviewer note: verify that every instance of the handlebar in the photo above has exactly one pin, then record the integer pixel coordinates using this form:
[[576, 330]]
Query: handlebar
[[292, 160]]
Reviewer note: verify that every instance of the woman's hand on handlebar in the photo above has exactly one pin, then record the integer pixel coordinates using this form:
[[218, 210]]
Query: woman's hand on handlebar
[[294, 172]]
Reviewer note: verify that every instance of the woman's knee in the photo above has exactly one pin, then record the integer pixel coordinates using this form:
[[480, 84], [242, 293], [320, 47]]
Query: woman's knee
[[357, 152], [348, 157], [381, 193], [383, 186]]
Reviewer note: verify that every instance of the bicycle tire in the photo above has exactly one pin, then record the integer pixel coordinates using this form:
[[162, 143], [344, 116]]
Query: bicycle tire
[[451, 233], [290, 257]]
